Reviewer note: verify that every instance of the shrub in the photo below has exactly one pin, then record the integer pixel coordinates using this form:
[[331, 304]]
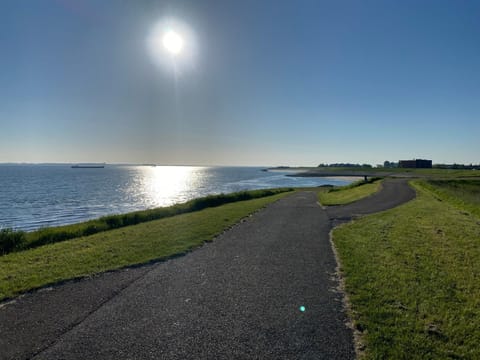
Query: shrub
[[11, 240], [114, 222], [48, 236], [92, 229]]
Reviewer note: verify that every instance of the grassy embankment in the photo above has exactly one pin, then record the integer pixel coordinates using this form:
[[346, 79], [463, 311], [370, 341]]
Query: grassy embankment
[[350, 193], [11, 241], [413, 274], [423, 173], [136, 244]]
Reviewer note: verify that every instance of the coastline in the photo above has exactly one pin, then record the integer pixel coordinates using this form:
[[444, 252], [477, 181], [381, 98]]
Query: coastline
[[60, 195], [344, 174]]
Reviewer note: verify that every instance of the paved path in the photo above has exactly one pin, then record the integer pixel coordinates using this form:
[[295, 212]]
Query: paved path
[[394, 192], [238, 297]]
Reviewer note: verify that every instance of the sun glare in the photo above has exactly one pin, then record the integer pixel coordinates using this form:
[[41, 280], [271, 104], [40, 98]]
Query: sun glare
[[172, 42]]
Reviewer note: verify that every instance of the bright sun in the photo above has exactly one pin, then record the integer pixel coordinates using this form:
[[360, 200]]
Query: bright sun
[[172, 42]]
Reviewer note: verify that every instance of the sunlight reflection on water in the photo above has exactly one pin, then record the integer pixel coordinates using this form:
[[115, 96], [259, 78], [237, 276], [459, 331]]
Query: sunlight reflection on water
[[34, 196], [166, 185]]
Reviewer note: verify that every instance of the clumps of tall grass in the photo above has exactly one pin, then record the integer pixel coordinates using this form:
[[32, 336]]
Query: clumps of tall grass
[[11, 240]]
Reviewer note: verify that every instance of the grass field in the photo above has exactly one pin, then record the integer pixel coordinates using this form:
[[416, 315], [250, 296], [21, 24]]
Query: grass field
[[158, 239], [350, 193], [383, 172], [434, 173], [464, 194], [412, 275]]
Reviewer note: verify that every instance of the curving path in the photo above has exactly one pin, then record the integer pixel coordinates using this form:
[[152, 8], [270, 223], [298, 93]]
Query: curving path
[[238, 297], [394, 192]]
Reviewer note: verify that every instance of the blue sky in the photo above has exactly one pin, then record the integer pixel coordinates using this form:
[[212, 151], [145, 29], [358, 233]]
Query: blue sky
[[258, 83]]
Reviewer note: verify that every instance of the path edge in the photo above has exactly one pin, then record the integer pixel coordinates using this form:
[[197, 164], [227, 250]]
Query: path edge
[[359, 343]]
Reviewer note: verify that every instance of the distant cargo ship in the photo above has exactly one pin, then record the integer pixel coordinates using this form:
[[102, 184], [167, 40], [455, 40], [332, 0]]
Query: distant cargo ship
[[88, 166]]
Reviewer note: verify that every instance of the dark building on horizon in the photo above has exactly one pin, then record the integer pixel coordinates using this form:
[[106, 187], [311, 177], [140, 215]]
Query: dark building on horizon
[[415, 164]]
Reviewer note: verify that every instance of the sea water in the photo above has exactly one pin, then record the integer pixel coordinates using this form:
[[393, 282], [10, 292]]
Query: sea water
[[35, 196]]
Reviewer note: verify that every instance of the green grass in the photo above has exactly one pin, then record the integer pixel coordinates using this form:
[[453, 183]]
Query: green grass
[[17, 240], [348, 194], [434, 173], [158, 239], [464, 194], [412, 275]]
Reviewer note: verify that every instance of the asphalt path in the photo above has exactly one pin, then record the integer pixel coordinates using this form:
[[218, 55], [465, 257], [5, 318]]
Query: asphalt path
[[394, 192], [265, 289]]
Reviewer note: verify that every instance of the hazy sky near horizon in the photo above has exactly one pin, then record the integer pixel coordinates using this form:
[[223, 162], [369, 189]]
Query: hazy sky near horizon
[[258, 82]]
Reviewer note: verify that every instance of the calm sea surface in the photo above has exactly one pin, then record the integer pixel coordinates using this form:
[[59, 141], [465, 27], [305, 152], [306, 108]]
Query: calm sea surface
[[34, 196]]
